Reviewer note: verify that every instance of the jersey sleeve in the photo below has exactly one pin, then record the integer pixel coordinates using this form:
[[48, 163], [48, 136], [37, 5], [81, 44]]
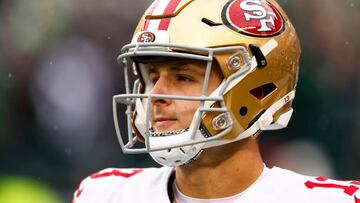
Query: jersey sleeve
[[288, 186], [334, 190], [102, 186]]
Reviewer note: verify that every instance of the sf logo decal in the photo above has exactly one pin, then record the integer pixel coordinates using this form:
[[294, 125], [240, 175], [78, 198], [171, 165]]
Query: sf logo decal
[[253, 17], [254, 10], [146, 37]]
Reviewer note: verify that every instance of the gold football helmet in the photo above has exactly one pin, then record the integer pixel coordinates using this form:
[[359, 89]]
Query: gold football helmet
[[257, 50]]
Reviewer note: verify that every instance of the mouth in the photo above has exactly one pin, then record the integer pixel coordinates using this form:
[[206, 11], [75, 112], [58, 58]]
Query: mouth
[[164, 123]]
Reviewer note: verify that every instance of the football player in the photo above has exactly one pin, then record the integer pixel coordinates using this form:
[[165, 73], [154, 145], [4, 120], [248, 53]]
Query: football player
[[204, 78]]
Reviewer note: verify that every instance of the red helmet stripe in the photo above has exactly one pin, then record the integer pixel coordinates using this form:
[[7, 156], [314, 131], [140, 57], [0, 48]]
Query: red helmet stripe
[[170, 8], [146, 25], [153, 6], [151, 11], [161, 7], [164, 23]]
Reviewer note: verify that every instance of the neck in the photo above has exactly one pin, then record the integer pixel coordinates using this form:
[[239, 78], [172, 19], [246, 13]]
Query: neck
[[221, 171]]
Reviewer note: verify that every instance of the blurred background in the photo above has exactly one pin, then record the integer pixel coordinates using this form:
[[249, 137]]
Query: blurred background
[[58, 73]]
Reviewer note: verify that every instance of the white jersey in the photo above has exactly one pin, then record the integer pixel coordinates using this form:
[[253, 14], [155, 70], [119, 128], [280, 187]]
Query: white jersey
[[274, 185]]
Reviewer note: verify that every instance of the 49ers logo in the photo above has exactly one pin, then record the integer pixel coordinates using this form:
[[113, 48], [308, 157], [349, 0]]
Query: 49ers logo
[[253, 17], [146, 37]]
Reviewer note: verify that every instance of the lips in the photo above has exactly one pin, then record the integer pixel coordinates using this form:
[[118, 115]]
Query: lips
[[161, 119], [164, 123]]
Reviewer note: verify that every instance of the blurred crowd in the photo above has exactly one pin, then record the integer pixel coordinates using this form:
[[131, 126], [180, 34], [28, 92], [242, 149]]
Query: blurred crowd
[[58, 73]]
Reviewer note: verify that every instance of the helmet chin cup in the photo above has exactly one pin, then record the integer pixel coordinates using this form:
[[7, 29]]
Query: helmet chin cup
[[185, 153], [175, 156]]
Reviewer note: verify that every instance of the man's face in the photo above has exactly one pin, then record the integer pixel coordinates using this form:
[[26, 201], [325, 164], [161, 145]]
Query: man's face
[[184, 78]]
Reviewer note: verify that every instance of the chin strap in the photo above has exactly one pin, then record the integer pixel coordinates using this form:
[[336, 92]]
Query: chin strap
[[265, 121]]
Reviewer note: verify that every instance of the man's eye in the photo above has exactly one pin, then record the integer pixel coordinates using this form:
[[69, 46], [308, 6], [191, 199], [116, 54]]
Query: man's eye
[[184, 78]]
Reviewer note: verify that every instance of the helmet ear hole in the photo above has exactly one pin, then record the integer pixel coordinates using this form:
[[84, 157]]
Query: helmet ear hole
[[262, 91], [243, 111], [258, 92]]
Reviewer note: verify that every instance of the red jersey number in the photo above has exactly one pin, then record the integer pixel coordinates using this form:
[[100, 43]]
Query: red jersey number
[[107, 173], [348, 188]]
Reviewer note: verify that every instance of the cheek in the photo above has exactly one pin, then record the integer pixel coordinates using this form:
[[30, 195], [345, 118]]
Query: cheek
[[185, 110], [189, 90]]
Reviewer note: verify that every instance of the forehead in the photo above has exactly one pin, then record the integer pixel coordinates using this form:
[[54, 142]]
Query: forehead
[[177, 65]]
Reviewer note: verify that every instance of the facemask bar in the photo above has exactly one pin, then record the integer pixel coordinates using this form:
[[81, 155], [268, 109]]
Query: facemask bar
[[164, 50]]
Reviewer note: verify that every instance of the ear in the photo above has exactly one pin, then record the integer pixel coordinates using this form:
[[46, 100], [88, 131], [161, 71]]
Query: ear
[[136, 131]]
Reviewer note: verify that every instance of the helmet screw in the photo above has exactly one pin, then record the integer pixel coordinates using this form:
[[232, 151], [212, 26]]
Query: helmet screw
[[235, 62], [221, 122], [263, 62]]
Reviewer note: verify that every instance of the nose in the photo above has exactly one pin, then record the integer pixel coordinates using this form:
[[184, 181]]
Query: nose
[[161, 86]]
